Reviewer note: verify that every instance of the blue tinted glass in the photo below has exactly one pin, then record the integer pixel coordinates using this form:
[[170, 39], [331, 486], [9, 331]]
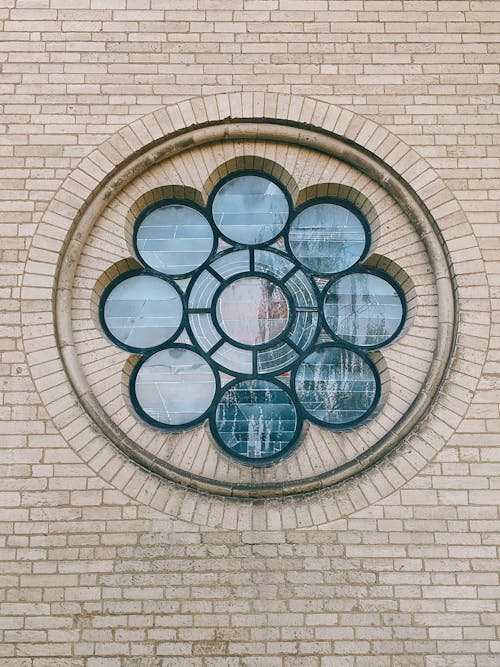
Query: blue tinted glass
[[327, 238], [363, 309], [273, 264], [203, 290], [336, 386], [232, 263], [174, 239], [174, 387], [204, 331], [303, 331], [277, 358], [233, 358], [256, 419], [250, 209], [143, 311], [302, 290]]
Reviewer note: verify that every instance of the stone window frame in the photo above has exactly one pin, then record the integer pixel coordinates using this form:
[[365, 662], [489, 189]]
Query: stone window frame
[[215, 254], [335, 131]]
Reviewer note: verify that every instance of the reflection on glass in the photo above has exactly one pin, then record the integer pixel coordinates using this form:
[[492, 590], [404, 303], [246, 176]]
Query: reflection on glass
[[252, 310], [175, 386], [233, 358], [204, 331], [273, 264], [335, 385], [255, 419], [203, 290], [143, 311], [232, 263], [277, 358], [302, 290], [363, 309], [304, 328], [174, 239], [250, 209], [327, 238]]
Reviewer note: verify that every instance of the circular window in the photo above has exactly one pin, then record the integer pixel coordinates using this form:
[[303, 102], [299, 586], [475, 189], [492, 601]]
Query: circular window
[[337, 387], [173, 388], [252, 310], [173, 238], [364, 309], [254, 316], [256, 420], [249, 209], [328, 237], [140, 312]]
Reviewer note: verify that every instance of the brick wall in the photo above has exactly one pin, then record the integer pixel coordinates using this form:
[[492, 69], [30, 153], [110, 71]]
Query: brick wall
[[90, 577]]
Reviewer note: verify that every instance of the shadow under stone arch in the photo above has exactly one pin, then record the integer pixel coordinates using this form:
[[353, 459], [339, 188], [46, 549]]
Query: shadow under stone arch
[[251, 163]]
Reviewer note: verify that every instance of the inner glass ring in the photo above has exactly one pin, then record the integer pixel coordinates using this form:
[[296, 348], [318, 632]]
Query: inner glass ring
[[252, 310]]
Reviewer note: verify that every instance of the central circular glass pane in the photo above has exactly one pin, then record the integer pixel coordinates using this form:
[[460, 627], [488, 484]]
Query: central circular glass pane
[[252, 310]]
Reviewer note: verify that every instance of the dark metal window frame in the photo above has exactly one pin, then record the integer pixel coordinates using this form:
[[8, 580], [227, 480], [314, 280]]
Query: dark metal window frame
[[285, 378]]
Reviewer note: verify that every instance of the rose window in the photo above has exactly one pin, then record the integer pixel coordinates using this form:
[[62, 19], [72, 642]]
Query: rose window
[[254, 316]]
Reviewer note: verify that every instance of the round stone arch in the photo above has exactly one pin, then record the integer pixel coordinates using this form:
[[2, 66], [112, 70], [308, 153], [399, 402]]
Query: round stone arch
[[47, 288]]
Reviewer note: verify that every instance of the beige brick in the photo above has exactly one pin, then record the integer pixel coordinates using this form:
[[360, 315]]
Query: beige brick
[[95, 571]]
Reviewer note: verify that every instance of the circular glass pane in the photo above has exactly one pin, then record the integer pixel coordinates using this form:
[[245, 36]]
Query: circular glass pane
[[327, 238], [142, 311], [250, 209], [174, 387], [336, 386], [252, 310], [363, 309], [255, 420], [174, 239]]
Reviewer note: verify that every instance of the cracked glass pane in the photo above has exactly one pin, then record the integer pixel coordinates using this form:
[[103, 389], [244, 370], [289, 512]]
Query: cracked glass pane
[[143, 311], [175, 386], [363, 309], [250, 209], [174, 239], [327, 238]]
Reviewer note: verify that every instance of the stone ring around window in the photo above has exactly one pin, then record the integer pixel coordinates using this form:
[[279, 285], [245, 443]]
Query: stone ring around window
[[254, 316]]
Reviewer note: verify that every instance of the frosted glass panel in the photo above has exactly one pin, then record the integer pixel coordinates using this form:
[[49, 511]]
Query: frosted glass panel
[[175, 387], [327, 238], [143, 311], [174, 239], [250, 209]]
